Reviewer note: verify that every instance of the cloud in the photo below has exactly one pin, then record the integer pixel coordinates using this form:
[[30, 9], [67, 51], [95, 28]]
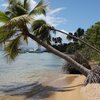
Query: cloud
[[4, 5], [52, 17], [57, 10]]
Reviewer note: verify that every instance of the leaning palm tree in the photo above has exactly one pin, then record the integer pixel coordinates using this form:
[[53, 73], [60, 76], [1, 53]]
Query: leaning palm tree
[[70, 36], [19, 24]]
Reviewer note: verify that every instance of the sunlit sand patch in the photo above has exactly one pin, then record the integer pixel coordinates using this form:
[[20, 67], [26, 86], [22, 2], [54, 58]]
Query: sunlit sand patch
[[12, 98], [91, 92]]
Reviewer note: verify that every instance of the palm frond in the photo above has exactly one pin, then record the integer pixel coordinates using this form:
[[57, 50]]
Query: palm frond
[[9, 29], [3, 17], [37, 24], [12, 1], [11, 48], [20, 9], [39, 9], [18, 21], [25, 39], [6, 34], [26, 5], [41, 29], [16, 8]]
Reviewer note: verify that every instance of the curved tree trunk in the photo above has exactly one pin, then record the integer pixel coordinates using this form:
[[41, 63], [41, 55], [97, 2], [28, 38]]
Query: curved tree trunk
[[77, 39], [93, 76], [79, 67]]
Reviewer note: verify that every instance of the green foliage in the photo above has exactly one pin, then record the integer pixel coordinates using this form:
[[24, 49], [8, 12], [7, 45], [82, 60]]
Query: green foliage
[[41, 29], [5, 34], [3, 17], [72, 47], [79, 33], [11, 48], [26, 5], [15, 19], [75, 44], [39, 9], [69, 37], [16, 8], [18, 21], [92, 36]]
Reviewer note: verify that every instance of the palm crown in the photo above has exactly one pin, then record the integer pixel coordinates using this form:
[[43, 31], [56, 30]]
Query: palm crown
[[16, 20]]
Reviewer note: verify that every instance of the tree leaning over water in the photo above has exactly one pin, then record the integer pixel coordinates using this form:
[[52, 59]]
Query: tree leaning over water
[[20, 24]]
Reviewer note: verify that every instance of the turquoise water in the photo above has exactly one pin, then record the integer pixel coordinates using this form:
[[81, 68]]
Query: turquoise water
[[29, 68]]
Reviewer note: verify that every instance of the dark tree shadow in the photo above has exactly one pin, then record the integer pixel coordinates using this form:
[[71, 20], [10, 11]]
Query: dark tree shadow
[[35, 90]]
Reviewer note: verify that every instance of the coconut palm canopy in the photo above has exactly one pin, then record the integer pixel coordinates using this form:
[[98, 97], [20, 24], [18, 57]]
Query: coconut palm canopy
[[17, 18]]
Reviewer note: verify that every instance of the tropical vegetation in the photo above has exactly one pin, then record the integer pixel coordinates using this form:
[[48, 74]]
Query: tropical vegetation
[[20, 24], [92, 36]]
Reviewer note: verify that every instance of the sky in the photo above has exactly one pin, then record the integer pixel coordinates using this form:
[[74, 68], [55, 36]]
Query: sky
[[68, 15], [78, 13]]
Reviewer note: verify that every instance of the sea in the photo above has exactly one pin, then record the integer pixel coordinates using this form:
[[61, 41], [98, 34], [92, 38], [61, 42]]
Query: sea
[[28, 69]]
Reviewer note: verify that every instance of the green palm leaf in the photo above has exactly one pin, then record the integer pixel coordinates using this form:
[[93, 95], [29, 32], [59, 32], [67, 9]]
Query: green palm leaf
[[6, 34], [18, 21], [3, 17], [39, 9], [41, 29], [11, 48], [26, 5], [20, 9]]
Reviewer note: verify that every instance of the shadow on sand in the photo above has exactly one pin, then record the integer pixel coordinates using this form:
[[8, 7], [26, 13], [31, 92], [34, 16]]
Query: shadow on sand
[[36, 90]]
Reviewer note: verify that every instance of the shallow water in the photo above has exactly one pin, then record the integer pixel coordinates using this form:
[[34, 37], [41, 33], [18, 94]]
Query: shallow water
[[29, 68]]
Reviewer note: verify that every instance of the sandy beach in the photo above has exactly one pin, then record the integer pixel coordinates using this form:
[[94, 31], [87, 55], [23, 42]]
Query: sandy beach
[[68, 87], [71, 91]]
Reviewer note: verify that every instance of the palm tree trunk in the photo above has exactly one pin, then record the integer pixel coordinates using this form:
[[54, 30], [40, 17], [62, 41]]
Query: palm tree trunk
[[77, 39], [79, 67]]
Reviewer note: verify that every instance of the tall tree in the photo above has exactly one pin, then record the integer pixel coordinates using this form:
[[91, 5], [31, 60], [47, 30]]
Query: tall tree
[[18, 20], [54, 39], [75, 43], [79, 33], [59, 40], [93, 35]]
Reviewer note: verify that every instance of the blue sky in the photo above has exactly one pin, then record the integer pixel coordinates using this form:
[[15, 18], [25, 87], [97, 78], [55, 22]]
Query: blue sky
[[78, 13], [71, 14]]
